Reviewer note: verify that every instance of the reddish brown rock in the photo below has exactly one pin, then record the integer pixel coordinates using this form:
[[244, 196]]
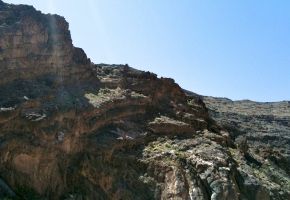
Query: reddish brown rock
[[70, 129]]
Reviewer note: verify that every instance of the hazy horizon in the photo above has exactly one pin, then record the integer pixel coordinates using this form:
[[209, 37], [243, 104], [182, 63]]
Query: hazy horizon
[[237, 50]]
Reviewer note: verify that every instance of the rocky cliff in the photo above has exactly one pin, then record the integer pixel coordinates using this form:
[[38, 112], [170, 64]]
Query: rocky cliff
[[70, 129], [262, 131]]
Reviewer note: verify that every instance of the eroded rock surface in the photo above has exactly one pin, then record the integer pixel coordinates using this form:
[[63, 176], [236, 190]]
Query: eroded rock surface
[[261, 131], [70, 129]]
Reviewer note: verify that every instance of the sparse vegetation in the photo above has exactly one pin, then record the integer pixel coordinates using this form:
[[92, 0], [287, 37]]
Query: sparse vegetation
[[109, 95], [167, 120], [164, 150]]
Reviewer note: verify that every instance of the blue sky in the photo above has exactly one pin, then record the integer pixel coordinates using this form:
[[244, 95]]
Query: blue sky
[[234, 49]]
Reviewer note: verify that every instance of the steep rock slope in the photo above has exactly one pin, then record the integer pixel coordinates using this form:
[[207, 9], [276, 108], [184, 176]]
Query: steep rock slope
[[262, 130], [70, 129]]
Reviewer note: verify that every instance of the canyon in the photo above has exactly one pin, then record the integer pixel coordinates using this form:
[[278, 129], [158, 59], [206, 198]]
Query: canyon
[[72, 129]]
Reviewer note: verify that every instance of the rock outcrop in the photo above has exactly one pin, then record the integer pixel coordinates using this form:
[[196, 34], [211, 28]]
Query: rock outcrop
[[33, 44], [71, 129], [261, 132]]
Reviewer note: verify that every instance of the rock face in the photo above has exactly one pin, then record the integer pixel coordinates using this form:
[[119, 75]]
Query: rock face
[[70, 129], [33, 44], [262, 132]]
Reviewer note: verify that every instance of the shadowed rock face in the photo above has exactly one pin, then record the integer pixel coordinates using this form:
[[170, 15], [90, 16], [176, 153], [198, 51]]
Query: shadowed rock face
[[70, 129]]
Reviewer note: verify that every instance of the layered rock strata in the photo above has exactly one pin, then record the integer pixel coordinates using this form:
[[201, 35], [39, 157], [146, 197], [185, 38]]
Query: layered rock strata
[[70, 129]]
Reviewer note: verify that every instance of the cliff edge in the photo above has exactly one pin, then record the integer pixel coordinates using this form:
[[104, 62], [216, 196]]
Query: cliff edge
[[71, 129]]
